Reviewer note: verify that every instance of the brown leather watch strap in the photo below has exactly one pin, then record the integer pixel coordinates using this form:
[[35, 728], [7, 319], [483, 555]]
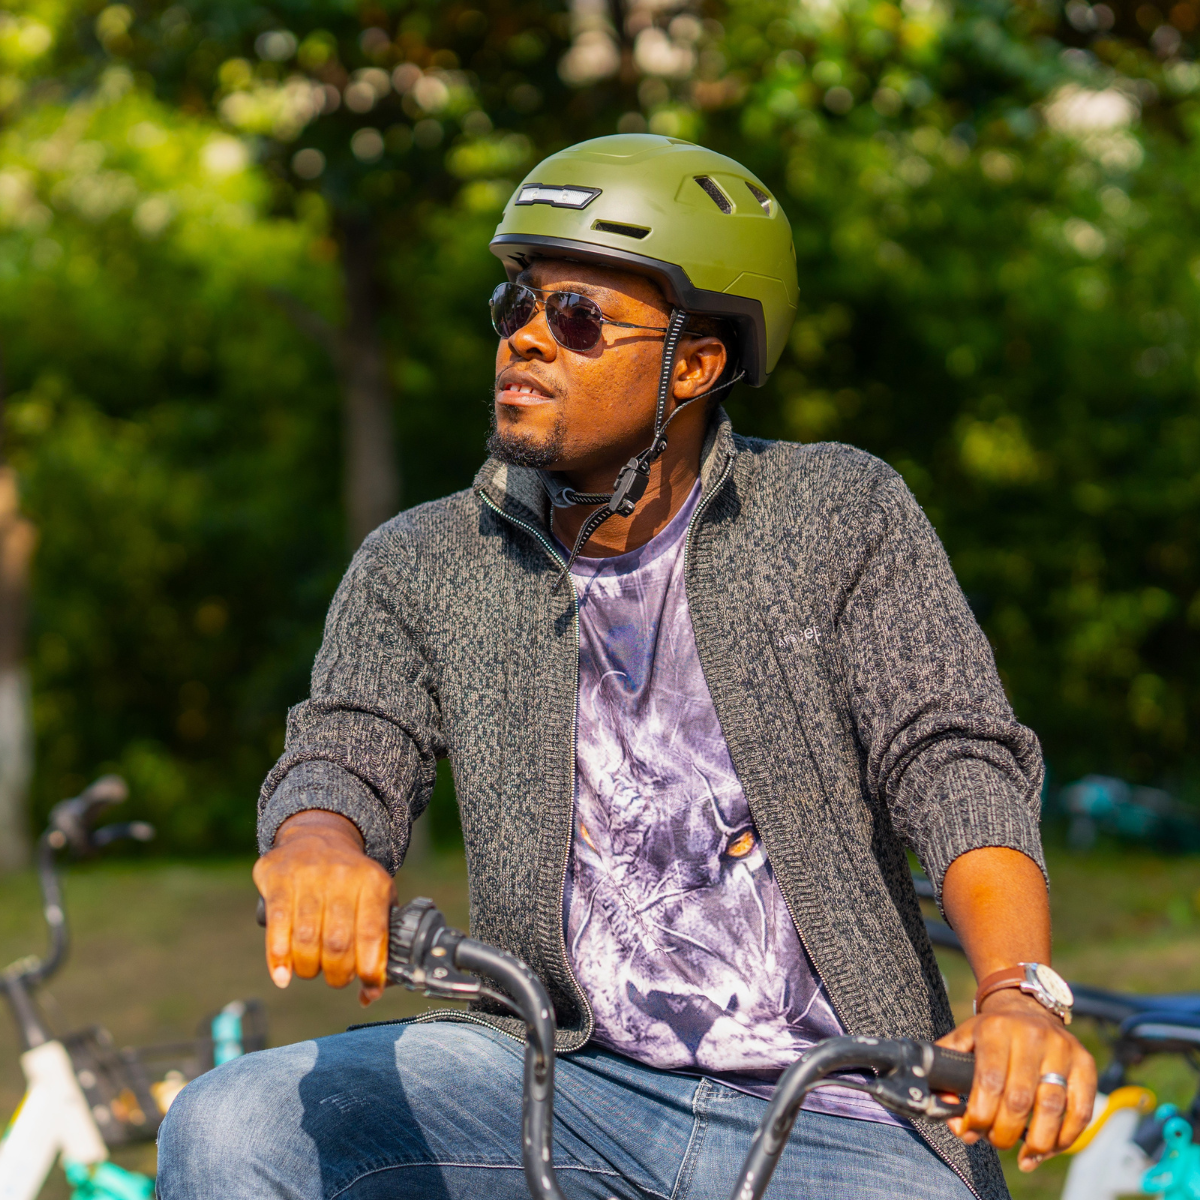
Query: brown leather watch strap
[[1008, 977]]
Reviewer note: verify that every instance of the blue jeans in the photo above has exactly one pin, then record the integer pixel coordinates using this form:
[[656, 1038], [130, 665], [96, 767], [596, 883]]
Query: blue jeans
[[434, 1111]]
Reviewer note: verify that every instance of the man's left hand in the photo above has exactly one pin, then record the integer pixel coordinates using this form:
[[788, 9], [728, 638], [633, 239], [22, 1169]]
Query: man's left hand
[[1016, 1042]]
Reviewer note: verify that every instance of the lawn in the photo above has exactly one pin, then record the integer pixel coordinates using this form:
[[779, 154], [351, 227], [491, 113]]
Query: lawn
[[159, 945]]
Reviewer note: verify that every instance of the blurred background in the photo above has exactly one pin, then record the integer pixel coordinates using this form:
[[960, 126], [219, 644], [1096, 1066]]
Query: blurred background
[[243, 274]]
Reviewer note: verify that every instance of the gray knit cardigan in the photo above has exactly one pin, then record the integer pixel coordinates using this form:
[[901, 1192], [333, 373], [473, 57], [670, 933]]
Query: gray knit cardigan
[[857, 694]]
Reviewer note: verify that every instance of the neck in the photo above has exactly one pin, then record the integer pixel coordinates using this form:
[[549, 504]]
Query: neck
[[672, 478]]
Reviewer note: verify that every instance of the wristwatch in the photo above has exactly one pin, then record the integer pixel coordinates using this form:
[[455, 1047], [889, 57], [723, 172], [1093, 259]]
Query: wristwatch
[[1041, 982]]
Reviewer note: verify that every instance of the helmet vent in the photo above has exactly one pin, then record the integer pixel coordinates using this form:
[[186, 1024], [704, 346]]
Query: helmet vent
[[761, 197], [715, 194], [633, 231]]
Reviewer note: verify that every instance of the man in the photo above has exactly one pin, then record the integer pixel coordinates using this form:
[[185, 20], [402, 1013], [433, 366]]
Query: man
[[686, 776]]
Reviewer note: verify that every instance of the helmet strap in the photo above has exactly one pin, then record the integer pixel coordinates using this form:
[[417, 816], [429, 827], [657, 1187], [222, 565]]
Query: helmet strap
[[634, 477]]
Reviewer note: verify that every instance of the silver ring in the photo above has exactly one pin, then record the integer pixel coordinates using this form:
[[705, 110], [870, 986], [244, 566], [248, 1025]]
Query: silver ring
[[1054, 1078]]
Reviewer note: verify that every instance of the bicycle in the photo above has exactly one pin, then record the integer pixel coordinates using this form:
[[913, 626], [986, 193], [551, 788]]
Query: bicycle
[[84, 1095]]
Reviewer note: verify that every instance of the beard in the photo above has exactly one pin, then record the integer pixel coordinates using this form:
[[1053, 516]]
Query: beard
[[521, 449]]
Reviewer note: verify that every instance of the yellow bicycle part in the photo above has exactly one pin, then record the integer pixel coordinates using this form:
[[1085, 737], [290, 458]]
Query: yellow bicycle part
[[1143, 1099]]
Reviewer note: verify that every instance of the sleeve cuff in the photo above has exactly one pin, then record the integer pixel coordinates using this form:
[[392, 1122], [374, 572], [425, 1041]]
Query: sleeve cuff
[[320, 784], [979, 807]]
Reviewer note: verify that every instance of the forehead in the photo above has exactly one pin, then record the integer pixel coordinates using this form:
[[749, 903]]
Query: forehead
[[601, 283]]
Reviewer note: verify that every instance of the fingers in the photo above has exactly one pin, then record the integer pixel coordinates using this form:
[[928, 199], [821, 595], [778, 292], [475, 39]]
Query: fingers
[[991, 1073], [307, 913], [1081, 1097], [1013, 1052], [374, 909], [276, 891], [327, 906], [1045, 1123], [1026, 1054], [354, 932], [338, 931]]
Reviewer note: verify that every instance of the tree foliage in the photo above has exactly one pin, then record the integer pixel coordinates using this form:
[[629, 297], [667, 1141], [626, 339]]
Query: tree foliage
[[993, 209]]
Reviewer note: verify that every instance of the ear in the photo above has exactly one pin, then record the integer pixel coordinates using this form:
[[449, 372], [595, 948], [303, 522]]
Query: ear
[[698, 366]]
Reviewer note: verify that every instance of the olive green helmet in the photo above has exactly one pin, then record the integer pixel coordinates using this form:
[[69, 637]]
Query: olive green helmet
[[700, 225]]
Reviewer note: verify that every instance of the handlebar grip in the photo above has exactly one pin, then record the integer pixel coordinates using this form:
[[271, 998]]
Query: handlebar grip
[[138, 831], [108, 789], [951, 1071]]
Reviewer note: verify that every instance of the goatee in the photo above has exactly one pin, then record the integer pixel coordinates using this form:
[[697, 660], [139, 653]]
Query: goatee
[[520, 449]]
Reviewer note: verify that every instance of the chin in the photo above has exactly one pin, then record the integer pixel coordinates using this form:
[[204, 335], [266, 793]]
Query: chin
[[524, 447]]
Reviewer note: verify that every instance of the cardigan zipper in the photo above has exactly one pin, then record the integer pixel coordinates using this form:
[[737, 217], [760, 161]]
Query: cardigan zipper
[[562, 885], [686, 547]]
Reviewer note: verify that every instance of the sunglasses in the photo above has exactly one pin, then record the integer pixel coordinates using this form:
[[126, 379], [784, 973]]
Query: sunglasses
[[575, 321]]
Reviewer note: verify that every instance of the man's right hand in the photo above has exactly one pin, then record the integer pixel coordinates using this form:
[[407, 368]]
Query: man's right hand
[[327, 904]]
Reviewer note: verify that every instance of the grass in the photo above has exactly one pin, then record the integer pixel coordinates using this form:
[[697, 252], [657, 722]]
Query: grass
[[158, 946]]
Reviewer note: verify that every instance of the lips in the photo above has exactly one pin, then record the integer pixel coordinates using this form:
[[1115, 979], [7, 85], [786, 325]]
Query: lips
[[518, 392]]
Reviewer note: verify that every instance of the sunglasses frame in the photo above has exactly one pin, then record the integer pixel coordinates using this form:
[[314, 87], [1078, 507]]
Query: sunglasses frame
[[541, 296]]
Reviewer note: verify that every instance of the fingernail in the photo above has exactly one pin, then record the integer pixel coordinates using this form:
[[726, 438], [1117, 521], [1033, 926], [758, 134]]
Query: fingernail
[[281, 976]]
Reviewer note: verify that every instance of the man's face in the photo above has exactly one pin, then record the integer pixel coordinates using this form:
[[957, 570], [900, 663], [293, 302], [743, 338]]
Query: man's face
[[573, 410]]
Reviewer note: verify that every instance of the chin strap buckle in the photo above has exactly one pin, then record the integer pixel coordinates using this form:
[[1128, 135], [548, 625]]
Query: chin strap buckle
[[629, 488]]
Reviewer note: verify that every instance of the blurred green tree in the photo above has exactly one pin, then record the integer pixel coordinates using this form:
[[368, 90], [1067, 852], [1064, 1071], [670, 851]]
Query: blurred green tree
[[995, 233], [167, 426], [216, 219]]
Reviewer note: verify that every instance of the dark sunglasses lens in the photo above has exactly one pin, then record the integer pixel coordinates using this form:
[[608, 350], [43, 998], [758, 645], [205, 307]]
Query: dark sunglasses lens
[[512, 308], [574, 320]]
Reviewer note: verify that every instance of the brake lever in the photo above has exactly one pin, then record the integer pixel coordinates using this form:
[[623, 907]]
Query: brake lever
[[911, 1087], [445, 982], [908, 1094], [419, 935]]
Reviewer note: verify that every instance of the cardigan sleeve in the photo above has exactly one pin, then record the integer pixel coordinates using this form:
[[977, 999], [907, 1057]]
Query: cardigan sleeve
[[943, 748]]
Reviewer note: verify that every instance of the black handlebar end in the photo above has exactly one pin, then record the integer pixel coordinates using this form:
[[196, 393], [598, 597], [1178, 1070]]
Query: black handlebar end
[[951, 1071]]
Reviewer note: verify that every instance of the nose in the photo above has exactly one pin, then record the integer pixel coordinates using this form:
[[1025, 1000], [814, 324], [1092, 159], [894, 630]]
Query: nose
[[534, 339]]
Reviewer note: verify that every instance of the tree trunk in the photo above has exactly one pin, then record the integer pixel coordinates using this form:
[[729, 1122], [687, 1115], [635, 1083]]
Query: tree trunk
[[17, 540], [371, 471]]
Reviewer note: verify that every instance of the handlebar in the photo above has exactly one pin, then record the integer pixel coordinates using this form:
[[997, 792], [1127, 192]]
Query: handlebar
[[425, 954], [911, 1076], [71, 825], [71, 821]]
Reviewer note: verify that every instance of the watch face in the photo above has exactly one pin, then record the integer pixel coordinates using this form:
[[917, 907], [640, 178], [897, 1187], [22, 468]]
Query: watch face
[[1054, 985]]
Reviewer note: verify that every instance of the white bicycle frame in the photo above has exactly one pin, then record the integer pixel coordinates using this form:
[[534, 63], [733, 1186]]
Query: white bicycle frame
[[54, 1120], [1109, 1163]]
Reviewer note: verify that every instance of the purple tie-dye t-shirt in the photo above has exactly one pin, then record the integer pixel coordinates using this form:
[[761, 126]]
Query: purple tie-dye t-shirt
[[675, 925]]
